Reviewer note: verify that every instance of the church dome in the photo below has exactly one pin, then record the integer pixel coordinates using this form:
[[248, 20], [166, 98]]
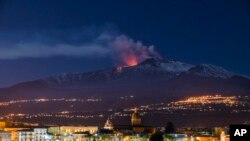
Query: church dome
[[135, 119], [135, 115], [109, 125]]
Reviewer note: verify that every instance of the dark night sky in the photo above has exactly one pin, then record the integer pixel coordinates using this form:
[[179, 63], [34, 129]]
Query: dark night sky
[[194, 31]]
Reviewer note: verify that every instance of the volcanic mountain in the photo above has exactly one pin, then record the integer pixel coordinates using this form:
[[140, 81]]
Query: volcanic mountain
[[152, 79]]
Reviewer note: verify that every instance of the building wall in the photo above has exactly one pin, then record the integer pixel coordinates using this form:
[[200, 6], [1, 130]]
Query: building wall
[[14, 132], [135, 138], [5, 136], [67, 130], [40, 134], [206, 139], [2, 124], [26, 136], [81, 137]]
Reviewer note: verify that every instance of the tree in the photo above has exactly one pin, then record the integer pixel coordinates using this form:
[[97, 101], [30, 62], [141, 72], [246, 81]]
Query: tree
[[169, 128], [156, 137]]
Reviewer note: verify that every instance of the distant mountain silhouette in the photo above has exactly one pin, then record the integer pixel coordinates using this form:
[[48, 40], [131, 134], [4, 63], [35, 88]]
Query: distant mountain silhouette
[[153, 78]]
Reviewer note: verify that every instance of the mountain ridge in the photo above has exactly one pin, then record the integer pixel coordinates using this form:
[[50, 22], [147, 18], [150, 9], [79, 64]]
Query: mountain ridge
[[166, 66], [161, 76]]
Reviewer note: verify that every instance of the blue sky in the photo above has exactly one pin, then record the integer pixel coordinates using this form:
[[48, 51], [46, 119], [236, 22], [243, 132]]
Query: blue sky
[[47, 37]]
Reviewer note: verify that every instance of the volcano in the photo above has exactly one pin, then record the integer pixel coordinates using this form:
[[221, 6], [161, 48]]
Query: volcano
[[148, 80]]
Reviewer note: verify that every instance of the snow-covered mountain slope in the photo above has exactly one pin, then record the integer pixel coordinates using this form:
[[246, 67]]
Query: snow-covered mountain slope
[[164, 65], [153, 77], [149, 70], [208, 70]]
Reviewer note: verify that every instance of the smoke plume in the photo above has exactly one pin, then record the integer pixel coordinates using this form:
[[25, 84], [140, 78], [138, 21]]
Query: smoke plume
[[124, 50], [130, 52]]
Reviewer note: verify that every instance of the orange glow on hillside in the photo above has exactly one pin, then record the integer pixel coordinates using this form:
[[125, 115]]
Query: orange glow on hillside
[[130, 60]]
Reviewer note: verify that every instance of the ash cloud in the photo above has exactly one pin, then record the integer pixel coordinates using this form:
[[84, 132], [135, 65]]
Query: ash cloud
[[130, 52], [102, 44]]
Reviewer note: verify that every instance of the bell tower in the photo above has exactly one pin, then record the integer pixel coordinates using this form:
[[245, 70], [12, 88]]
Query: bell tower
[[135, 119]]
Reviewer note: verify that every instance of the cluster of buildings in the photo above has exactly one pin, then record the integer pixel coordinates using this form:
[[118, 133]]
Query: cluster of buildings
[[110, 132]]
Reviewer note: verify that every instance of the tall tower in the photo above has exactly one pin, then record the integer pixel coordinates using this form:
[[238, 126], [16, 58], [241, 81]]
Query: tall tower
[[135, 119], [222, 136], [109, 125]]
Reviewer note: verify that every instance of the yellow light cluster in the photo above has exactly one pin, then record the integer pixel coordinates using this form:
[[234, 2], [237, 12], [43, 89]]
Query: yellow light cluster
[[217, 99], [12, 102]]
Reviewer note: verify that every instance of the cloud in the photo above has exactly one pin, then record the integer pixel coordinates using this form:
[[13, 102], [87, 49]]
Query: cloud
[[130, 52], [36, 50], [101, 44]]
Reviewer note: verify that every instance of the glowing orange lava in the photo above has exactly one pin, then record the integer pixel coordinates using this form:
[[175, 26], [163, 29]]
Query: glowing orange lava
[[130, 60]]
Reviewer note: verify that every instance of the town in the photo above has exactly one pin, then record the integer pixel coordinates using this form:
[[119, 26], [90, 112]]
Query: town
[[135, 131]]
